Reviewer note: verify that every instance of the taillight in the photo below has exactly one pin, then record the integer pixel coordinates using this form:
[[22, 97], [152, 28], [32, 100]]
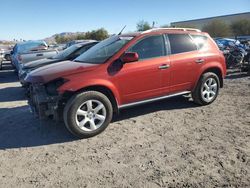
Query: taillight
[[19, 58]]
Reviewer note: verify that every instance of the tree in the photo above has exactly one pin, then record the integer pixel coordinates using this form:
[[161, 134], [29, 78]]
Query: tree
[[217, 28], [184, 26], [58, 39], [241, 27], [143, 26], [63, 39], [80, 36], [99, 34]]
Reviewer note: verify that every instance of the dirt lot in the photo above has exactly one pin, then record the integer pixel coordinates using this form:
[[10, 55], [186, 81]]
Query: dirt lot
[[172, 143]]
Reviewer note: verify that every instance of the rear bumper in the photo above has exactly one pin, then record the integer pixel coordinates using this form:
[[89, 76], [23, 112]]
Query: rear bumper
[[42, 104]]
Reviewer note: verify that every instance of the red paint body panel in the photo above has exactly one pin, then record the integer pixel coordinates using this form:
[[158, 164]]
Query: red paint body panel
[[140, 80], [57, 70]]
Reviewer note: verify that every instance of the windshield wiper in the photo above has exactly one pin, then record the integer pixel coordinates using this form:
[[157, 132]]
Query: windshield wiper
[[79, 61]]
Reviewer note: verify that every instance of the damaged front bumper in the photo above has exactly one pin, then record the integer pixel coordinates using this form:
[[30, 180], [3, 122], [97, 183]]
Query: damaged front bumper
[[42, 104]]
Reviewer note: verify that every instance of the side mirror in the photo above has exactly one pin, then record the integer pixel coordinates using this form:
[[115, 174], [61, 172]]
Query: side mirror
[[11, 52], [130, 57]]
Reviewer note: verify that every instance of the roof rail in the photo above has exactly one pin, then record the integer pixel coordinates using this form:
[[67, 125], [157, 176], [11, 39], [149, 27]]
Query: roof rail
[[171, 28]]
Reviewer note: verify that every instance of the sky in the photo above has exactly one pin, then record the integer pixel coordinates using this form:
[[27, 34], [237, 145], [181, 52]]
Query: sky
[[38, 19]]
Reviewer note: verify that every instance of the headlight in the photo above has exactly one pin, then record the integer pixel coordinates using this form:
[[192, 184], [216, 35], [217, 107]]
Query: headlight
[[52, 86]]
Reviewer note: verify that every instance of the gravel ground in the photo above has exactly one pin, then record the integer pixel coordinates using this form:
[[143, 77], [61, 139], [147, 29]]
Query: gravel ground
[[171, 143]]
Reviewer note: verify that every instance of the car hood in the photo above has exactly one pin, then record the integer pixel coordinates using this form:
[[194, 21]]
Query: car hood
[[57, 70], [39, 63]]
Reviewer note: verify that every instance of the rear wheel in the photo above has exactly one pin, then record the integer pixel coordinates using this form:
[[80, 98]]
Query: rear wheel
[[207, 89], [88, 114]]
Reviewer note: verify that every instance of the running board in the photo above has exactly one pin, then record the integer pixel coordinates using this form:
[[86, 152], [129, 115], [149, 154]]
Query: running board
[[153, 99]]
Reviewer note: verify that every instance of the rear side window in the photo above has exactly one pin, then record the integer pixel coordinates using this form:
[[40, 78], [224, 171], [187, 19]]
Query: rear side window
[[181, 43], [149, 47], [199, 40]]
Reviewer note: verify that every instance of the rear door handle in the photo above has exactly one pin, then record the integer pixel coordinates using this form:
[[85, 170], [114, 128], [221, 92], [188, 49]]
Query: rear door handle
[[39, 54], [200, 61], [164, 66]]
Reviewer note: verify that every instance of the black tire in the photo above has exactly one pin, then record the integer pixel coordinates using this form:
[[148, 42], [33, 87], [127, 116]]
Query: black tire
[[7, 57], [197, 93], [75, 102], [244, 69]]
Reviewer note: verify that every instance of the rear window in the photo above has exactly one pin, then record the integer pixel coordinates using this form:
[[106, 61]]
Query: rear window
[[199, 40], [181, 43], [30, 46]]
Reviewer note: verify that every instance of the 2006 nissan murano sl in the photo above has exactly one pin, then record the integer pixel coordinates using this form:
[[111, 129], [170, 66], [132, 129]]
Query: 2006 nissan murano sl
[[126, 70]]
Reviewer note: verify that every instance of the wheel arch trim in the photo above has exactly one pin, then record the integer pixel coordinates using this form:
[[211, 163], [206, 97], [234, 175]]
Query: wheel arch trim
[[216, 68], [105, 87]]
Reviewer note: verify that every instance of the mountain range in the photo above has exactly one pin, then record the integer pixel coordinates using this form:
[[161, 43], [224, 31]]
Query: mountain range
[[63, 34]]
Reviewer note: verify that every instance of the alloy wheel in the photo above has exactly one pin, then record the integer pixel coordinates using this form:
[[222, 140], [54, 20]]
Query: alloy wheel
[[209, 90], [91, 115]]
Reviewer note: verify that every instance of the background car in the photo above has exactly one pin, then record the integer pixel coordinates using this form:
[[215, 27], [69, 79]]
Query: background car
[[68, 54], [226, 41], [29, 51], [5, 52], [124, 71]]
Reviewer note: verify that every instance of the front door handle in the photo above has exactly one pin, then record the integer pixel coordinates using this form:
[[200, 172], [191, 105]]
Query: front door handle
[[39, 55], [164, 66], [200, 61]]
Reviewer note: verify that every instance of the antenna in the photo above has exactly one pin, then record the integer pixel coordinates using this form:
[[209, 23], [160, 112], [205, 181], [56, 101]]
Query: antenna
[[122, 30], [154, 23]]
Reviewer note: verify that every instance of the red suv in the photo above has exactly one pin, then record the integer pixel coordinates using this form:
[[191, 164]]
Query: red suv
[[127, 70]]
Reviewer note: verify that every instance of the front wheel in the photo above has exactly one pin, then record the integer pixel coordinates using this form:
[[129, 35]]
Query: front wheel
[[207, 89], [88, 114]]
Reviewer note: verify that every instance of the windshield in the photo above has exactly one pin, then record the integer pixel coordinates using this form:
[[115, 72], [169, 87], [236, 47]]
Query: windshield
[[65, 53], [103, 50]]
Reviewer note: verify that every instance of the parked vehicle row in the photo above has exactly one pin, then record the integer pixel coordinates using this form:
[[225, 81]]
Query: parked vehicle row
[[68, 54], [29, 51], [123, 71]]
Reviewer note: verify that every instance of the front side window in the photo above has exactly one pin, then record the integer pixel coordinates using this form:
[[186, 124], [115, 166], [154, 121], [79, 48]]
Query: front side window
[[181, 43], [149, 47]]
